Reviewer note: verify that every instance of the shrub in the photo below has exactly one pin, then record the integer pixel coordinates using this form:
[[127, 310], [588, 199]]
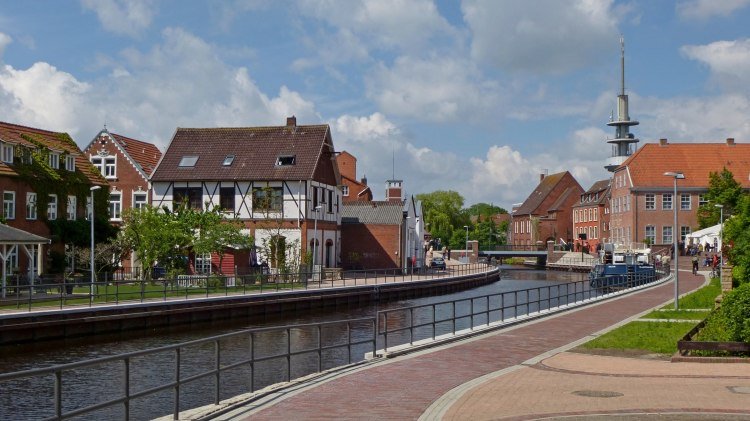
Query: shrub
[[731, 322]]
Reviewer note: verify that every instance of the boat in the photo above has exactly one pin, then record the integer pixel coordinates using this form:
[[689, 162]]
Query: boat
[[622, 266]]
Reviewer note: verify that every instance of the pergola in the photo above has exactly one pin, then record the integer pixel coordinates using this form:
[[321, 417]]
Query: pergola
[[10, 239]]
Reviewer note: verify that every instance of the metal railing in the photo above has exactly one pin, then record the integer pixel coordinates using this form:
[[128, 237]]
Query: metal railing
[[113, 292], [319, 340], [428, 322]]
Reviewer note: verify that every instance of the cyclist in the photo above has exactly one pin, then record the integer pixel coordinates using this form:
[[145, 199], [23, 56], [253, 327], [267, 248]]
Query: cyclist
[[695, 264]]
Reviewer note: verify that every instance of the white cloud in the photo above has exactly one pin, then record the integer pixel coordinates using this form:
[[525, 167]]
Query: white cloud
[[704, 9], [543, 36], [433, 89], [5, 40], [178, 83], [729, 61], [123, 17]]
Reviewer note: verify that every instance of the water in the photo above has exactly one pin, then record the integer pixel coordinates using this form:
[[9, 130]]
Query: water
[[31, 399]]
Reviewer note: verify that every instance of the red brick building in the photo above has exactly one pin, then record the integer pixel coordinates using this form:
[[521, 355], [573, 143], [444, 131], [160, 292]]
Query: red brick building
[[45, 180], [126, 164], [591, 216], [546, 215], [372, 233], [643, 202], [351, 189]]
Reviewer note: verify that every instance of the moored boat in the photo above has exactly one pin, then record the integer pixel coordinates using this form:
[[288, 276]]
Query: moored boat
[[622, 266]]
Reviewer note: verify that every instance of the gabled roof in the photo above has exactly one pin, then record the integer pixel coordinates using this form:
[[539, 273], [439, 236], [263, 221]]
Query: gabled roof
[[696, 160], [375, 212], [600, 187], [55, 141], [144, 154], [12, 236], [535, 199], [561, 200], [256, 151]]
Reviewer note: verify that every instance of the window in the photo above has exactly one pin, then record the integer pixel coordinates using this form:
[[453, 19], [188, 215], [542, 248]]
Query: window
[[684, 201], [30, 205], [7, 151], [9, 204], [52, 207], [650, 234], [110, 167], [97, 161], [226, 199], [88, 208], [666, 201], [684, 232], [315, 197], [702, 200], [71, 210], [139, 200], [203, 263], [666, 235], [115, 206], [228, 160], [575, 216], [268, 199], [596, 214], [330, 201], [12, 259], [345, 191], [191, 197], [188, 161], [70, 163], [54, 160], [650, 201], [286, 160]]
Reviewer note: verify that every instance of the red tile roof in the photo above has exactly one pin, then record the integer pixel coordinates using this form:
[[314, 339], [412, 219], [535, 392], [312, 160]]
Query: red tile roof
[[696, 160], [541, 191], [255, 149], [56, 141], [143, 153]]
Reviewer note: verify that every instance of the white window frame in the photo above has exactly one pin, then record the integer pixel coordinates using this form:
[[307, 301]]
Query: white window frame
[[52, 207], [98, 162], [110, 166], [345, 191], [138, 204], [31, 206], [702, 200], [667, 201], [115, 207], [684, 232], [7, 152], [88, 208], [71, 208], [667, 238], [54, 160], [650, 235], [203, 263], [9, 204], [70, 163], [650, 201], [685, 204]]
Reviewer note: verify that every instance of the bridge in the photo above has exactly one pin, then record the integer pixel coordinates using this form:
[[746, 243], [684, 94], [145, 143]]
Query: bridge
[[507, 251]]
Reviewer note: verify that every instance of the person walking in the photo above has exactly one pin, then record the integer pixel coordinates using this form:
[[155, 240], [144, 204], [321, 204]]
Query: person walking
[[695, 264]]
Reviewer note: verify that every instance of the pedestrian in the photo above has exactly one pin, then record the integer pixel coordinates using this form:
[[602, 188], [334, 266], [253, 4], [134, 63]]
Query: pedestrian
[[715, 262], [695, 264], [706, 260], [449, 253]]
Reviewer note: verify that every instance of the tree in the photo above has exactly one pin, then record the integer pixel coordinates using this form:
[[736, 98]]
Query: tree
[[444, 214], [737, 234], [724, 190], [484, 210], [214, 232]]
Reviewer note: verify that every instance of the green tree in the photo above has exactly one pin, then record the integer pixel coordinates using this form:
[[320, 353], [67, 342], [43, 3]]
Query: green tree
[[737, 234], [443, 212], [484, 210], [214, 232], [724, 190]]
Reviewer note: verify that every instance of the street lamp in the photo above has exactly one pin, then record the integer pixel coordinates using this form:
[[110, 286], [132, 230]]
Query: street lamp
[[466, 227], [721, 237], [315, 236], [676, 175], [93, 272]]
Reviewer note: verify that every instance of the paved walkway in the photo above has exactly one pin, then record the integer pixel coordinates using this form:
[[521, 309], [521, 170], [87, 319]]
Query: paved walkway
[[524, 373]]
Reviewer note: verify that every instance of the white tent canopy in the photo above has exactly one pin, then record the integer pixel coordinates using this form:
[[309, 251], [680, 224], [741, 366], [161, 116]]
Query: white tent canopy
[[711, 235]]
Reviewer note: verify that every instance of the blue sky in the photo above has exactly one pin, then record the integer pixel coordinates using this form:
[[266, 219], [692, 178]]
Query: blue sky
[[478, 96]]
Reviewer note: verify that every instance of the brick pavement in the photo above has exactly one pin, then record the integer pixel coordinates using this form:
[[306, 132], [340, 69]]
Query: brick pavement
[[405, 387]]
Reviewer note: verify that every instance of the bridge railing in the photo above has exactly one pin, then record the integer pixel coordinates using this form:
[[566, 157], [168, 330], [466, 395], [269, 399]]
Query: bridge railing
[[123, 389], [518, 247]]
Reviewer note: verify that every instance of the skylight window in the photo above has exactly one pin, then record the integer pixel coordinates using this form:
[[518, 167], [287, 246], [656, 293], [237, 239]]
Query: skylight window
[[228, 160], [286, 160], [188, 161]]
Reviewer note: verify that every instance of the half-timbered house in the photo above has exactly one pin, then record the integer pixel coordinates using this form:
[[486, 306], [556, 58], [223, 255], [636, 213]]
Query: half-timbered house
[[281, 182]]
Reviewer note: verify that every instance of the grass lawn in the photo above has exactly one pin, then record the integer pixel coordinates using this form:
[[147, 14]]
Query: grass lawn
[[702, 298], [654, 337], [677, 315]]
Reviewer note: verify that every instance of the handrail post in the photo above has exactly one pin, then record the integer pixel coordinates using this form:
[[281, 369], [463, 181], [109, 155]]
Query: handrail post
[[126, 388], [177, 364], [217, 367], [58, 394]]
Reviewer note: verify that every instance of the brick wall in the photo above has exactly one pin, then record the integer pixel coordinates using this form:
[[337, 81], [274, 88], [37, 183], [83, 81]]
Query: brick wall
[[370, 246]]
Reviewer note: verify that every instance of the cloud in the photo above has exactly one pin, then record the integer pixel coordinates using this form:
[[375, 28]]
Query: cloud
[[729, 62], [123, 17], [542, 37], [5, 40], [180, 82], [434, 89], [704, 9]]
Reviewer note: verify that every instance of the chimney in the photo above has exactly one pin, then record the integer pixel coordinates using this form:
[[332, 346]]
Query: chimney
[[663, 142], [364, 180], [541, 177], [291, 121], [730, 141]]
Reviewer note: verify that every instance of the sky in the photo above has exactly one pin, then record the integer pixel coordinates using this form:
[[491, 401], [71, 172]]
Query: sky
[[476, 96]]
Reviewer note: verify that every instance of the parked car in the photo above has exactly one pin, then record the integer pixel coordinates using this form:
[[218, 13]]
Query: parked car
[[158, 272], [437, 263]]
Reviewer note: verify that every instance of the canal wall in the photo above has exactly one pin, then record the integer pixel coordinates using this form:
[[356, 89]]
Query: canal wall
[[77, 322]]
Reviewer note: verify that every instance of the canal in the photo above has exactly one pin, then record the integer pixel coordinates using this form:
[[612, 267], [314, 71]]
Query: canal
[[23, 399]]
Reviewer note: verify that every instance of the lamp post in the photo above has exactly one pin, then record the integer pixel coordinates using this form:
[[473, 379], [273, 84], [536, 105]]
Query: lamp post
[[93, 271], [675, 175], [315, 237], [721, 237], [466, 227]]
